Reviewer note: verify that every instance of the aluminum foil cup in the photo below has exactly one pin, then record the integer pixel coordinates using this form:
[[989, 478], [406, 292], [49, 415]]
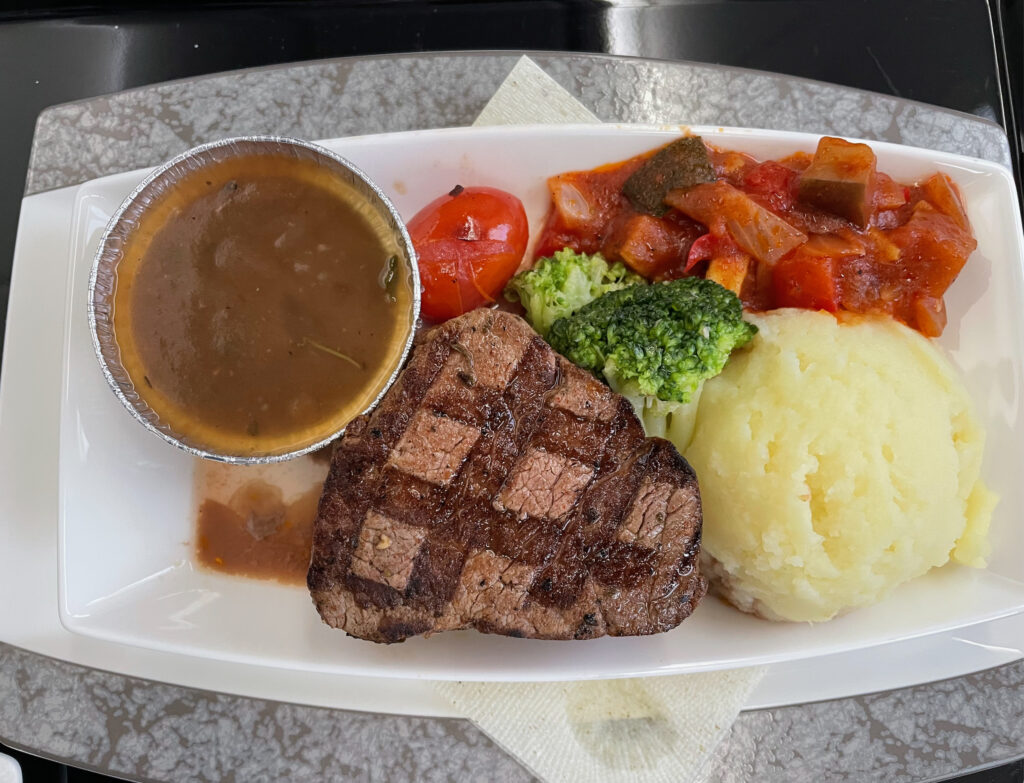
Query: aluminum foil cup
[[103, 278]]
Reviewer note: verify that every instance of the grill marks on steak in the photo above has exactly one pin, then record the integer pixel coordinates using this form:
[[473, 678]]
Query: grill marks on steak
[[500, 487]]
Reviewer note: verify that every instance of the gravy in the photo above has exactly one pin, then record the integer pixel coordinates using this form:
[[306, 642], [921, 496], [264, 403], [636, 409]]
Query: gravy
[[257, 522], [260, 305]]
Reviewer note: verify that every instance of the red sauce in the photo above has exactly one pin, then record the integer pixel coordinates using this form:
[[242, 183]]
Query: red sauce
[[899, 263]]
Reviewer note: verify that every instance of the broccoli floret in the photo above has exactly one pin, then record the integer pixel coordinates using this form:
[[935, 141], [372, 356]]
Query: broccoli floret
[[561, 284], [673, 421], [656, 345]]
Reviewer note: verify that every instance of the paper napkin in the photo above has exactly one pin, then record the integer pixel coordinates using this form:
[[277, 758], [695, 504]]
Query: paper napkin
[[653, 729], [529, 96], [657, 729]]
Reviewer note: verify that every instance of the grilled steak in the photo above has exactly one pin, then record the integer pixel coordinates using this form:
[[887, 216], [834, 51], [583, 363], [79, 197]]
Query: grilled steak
[[500, 487]]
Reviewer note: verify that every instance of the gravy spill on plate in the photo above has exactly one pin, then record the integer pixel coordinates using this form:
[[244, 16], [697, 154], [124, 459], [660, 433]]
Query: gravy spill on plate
[[257, 522]]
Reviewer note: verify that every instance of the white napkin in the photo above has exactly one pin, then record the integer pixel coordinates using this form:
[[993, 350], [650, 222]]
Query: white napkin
[[654, 729], [529, 96], [658, 730]]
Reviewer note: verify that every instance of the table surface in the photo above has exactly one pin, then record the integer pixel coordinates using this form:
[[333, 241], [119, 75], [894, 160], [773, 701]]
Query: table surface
[[98, 54]]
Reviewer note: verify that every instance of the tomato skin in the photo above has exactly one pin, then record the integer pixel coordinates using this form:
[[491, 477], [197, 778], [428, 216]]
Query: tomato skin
[[469, 243], [773, 184]]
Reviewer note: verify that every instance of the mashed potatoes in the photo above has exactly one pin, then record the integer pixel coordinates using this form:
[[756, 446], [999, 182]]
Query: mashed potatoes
[[835, 462]]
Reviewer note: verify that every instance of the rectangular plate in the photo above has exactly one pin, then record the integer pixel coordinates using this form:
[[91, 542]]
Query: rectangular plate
[[126, 506]]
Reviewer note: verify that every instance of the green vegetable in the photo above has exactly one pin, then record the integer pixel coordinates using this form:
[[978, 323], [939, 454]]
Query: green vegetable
[[563, 283], [841, 180], [682, 164], [656, 345], [673, 421]]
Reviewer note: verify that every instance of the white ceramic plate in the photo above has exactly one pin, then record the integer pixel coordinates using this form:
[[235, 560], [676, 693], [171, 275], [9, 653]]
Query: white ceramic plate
[[29, 446], [126, 523]]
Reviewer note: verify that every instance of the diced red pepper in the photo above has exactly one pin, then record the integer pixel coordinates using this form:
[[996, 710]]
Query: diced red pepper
[[730, 165], [805, 280], [701, 250]]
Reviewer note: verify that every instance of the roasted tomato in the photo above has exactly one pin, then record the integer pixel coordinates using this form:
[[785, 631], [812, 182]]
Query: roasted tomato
[[469, 243]]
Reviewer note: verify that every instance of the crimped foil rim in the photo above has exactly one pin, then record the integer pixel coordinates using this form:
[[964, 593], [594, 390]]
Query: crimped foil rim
[[108, 255]]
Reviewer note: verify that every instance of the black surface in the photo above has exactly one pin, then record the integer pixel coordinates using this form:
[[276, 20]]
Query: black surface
[[961, 54], [1010, 32], [37, 770]]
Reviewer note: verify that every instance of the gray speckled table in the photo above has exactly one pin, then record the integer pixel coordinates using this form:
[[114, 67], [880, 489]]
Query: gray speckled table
[[150, 731]]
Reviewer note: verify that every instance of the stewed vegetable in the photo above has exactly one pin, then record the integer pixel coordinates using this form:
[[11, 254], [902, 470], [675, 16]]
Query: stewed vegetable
[[827, 231]]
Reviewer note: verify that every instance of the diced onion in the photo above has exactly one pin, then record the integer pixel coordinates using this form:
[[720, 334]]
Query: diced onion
[[573, 207]]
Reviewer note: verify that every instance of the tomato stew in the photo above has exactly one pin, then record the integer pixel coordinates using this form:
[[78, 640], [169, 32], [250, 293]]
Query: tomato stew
[[826, 231]]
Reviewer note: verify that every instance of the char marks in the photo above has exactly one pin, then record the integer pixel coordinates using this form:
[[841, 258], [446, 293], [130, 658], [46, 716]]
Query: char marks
[[499, 487]]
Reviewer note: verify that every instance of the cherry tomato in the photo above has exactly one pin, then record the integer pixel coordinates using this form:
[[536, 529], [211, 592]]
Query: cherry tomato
[[469, 242]]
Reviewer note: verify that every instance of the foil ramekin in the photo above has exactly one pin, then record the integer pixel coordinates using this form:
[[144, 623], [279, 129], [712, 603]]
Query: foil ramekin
[[103, 276]]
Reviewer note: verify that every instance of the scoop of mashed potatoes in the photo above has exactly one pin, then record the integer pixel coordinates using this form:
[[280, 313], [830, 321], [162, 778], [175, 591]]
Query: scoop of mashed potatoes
[[836, 460]]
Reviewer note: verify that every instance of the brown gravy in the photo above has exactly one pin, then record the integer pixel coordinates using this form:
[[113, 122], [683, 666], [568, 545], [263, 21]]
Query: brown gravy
[[258, 535], [254, 310], [255, 523]]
